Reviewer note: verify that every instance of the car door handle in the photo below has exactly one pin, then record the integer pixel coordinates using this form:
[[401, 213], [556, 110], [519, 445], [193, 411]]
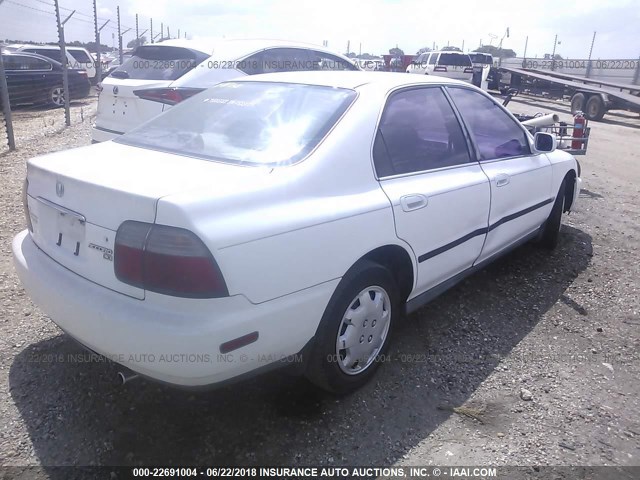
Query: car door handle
[[502, 180], [413, 202]]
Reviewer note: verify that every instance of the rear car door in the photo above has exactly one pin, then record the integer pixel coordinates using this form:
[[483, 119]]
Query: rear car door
[[439, 194], [521, 197]]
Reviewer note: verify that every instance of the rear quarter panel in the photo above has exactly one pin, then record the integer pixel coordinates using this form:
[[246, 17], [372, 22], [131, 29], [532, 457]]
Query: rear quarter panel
[[303, 224]]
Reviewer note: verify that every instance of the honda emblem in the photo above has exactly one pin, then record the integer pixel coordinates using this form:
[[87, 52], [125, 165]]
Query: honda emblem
[[59, 189]]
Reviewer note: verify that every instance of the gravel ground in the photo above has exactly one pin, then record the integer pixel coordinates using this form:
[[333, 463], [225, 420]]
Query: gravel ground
[[543, 346]]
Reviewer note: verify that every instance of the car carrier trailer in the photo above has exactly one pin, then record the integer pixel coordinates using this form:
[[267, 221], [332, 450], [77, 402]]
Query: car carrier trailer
[[591, 96]]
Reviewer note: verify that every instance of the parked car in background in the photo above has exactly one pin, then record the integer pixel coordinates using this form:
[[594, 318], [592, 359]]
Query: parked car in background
[[85, 60], [287, 213], [163, 74], [450, 64], [49, 51], [35, 79]]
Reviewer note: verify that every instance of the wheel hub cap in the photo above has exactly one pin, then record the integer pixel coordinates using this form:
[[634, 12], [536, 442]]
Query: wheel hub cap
[[363, 330]]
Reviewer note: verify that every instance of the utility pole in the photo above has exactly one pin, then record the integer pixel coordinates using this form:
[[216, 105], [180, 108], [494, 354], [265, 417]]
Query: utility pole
[[161, 31], [553, 55], [63, 54], [97, 32], [151, 29], [119, 36], [593, 40], [137, 36]]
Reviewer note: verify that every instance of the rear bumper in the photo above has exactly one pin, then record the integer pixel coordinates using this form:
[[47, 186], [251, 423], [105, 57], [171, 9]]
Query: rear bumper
[[79, 90], [169, 339]]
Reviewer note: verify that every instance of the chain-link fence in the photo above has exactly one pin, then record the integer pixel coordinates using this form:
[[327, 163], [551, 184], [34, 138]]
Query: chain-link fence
[[51, 85]]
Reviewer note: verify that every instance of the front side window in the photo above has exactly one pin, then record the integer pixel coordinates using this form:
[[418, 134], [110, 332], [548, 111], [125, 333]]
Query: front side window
[[418, 131], [496, 134], [433, 58], [259, 123]]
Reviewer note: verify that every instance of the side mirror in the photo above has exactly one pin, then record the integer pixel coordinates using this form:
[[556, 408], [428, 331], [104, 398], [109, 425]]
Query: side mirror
[[544, 142]]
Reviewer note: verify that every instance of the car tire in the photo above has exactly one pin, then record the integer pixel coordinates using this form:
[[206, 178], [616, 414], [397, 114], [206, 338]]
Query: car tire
[[577, 103], [550, 232], [595, 108], [55, 98], [365, 307]]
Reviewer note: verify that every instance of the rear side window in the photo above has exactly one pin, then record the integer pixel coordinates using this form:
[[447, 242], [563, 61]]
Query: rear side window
[[259, 123], [80, 56], [157, 62], [433, 58], [326, 61], [496, 134], [23, 62], [454, 60], [418, 131], [45, 52]]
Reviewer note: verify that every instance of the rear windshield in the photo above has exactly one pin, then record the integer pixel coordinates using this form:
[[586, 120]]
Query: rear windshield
[[158, 63], [257, 123], [481, 58], [454, 60]]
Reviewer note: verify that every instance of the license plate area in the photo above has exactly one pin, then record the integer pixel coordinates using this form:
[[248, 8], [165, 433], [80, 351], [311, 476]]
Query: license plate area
[[64, 227]]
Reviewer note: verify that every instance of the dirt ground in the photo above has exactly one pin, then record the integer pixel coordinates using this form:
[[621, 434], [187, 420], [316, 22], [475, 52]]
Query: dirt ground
[[560, 329]]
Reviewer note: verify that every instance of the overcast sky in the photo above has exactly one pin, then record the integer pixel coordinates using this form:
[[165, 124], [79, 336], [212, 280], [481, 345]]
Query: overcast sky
[[377, 25]]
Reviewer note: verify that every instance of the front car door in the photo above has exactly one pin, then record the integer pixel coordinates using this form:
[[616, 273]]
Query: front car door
[[521, 181], [439, 194]]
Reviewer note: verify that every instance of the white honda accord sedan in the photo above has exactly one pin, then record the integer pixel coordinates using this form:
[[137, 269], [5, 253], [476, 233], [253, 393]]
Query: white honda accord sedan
[[283, 218]]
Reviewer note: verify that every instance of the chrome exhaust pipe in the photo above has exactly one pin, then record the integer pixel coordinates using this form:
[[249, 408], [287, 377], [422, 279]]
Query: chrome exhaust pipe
[[125, 377]]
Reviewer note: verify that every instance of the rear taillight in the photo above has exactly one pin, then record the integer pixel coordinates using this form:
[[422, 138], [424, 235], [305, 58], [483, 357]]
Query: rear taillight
[[169, 96], [167, 260], [99, 87], [440, 69], [468, 70]]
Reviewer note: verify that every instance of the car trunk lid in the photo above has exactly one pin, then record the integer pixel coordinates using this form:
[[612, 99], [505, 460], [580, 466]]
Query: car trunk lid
[[78, 198]]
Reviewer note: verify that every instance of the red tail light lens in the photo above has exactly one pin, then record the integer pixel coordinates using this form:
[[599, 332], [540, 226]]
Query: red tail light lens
[[468, 70], [440, 69], [167, 260], [168, 96]]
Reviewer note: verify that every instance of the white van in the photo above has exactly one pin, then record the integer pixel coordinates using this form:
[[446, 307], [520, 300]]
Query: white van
[[86, 61], [450, 64]]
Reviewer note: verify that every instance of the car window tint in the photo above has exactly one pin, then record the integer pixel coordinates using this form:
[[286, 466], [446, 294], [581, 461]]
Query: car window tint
[[81, 56], [419, 131], [433, 58], [158, 62], [261, 123], [46, 52], [496, 133], [23, 62], [454, 60]]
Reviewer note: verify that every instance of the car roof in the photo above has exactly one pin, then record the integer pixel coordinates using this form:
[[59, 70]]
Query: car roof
[[351, 79], [31, 45], [234, 48]]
